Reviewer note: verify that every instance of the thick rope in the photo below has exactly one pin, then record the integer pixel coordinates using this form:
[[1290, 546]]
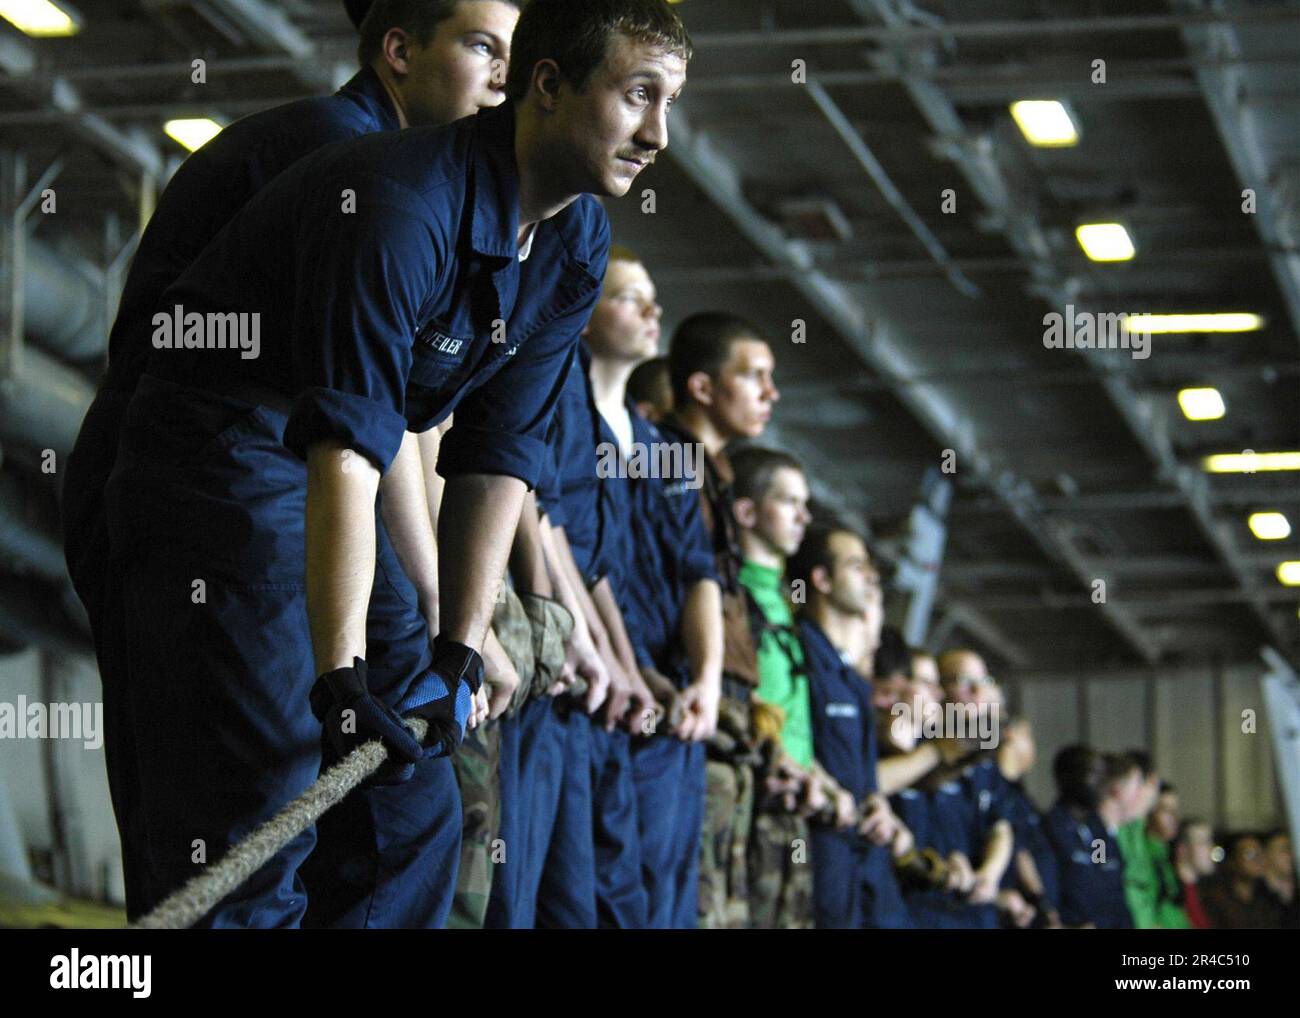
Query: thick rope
[[198, 897]]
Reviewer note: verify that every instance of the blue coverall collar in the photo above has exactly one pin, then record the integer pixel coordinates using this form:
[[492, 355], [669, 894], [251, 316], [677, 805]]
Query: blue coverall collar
[[366, 86], [495, 228]]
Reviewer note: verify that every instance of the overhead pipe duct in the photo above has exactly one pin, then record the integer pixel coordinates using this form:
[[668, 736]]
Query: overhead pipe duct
[[43, 402], [35, 621], [63, 307], [21, 542]]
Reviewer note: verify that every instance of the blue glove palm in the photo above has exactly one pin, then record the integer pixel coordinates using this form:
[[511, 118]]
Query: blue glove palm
[[444, 695]]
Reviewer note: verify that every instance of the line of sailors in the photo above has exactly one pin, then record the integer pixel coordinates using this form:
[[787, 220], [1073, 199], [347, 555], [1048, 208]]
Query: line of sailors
[[632, 730]]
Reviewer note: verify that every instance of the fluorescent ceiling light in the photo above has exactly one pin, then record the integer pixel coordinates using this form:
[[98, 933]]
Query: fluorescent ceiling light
[[40, 18], [1251, 462], [1201, 404], [1105, 242], [1045, 122], [1289, 573], [1233, 321], [1270, 526], [193, 133]]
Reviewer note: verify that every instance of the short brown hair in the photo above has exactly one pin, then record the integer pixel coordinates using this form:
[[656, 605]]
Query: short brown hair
[[576, 36], [417, 18], [648, 382], [815, 550], [702, 342], [754, 467], [623, 253]]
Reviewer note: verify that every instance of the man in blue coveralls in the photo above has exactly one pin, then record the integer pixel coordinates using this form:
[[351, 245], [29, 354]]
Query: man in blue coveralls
[[853, 876], [398, 278], [1029, 886], [960, 816], [674, 610], [594, 423], [425, 62], [1082, 827]]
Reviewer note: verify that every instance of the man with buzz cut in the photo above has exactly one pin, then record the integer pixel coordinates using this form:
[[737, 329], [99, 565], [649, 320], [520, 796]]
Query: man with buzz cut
[[854, 886], [399, 277], [424, 62], [771, 507], [721, 374]]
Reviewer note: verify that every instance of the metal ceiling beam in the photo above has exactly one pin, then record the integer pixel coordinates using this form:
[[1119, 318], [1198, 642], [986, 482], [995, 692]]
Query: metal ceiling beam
[[976, 161], [906, 32], [267, 26], [1237, 121], [1141, 501], [1172, 599], [1103, 673], [965, 573], [847, 263], [885, 349], [888, 189], [962, 615], [128, 148], [1156, 78]]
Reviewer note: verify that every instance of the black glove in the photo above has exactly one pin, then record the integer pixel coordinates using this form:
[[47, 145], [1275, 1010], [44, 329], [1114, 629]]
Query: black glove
[[444, 695], [351, 715]]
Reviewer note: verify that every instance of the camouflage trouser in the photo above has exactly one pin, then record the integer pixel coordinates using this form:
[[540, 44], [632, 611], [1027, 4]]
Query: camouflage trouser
[[724, 868], [728, 815], [476, 764], [780, 872], [551, 626], [475, 761]]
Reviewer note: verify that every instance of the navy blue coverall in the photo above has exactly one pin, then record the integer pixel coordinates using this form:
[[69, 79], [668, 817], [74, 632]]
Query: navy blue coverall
[[854, 886], [205, 194], [957, 816], [596, 839], [668, 552], [1090, 869], [1031, 836], [380, 268]]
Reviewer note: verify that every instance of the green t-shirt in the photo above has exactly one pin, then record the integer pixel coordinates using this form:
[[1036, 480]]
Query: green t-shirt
[[1151, 885], [782, 678]]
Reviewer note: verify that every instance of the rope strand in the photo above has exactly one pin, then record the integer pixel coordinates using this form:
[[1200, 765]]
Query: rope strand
[[202, 893]]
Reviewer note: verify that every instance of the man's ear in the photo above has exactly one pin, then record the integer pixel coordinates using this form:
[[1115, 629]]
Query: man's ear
[[545, 83], [745, 511], [396, 50], [700, 386], [821, 579]]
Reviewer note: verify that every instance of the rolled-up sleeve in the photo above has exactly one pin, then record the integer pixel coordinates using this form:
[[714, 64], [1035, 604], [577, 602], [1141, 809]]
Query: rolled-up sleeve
[[362, 278], [548, 480], [697, 559], [502, 426]]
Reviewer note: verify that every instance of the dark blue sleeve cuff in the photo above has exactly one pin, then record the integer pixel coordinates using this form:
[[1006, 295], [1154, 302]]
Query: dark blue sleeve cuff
[[553, 508], [698, 566], [548, 489], [372, 429], [467, 449]]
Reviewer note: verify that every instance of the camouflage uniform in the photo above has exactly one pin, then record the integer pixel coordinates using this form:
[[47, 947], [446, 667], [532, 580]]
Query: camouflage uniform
[[551, 626], [476, 762], [728, 817], [779, 857]]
